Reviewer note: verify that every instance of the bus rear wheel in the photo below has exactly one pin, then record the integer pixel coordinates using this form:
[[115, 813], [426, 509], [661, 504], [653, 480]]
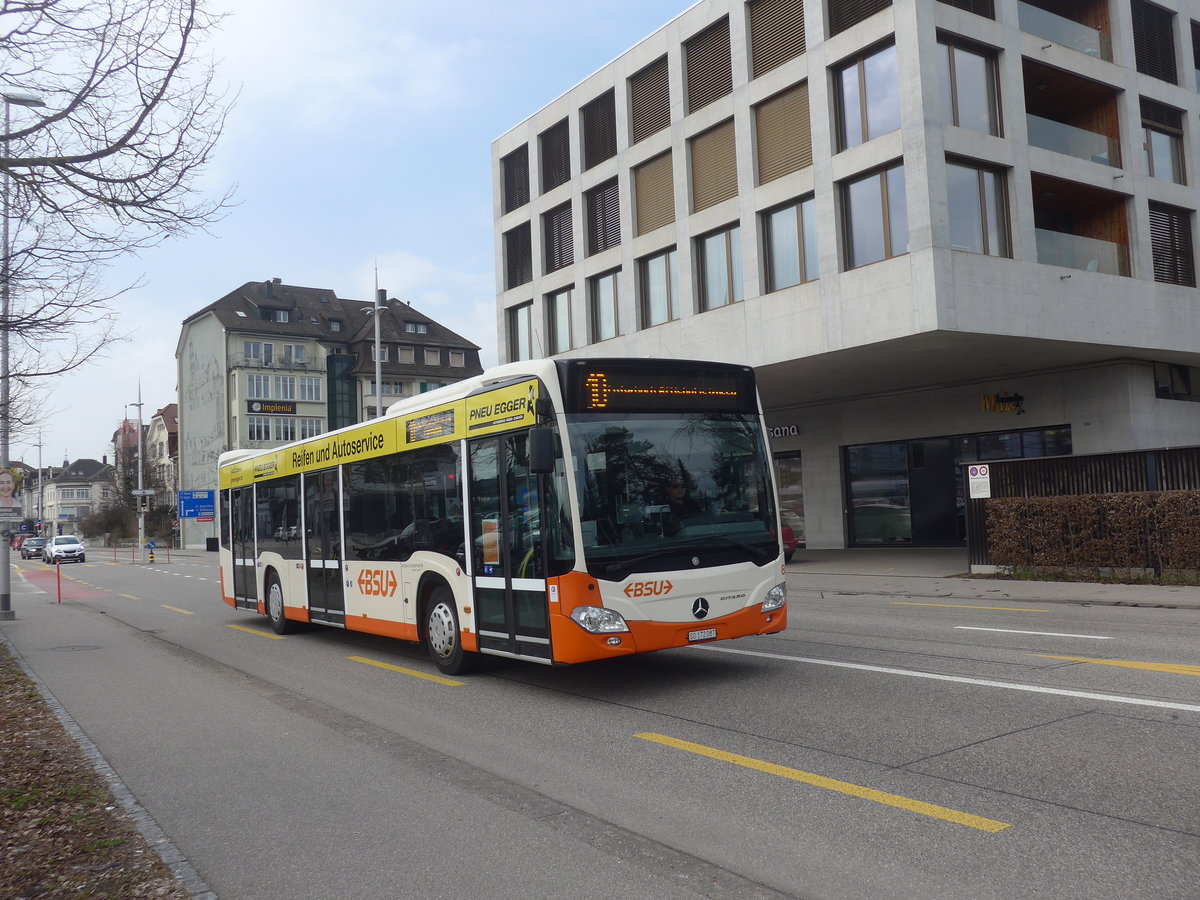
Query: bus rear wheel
[[280, 624], [442, 637]]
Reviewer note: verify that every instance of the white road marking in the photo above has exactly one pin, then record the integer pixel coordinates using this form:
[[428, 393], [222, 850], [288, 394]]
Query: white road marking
[[1090, 637], [981, 682]]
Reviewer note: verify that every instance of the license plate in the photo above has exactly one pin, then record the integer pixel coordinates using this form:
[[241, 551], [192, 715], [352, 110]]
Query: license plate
[[706, 635]]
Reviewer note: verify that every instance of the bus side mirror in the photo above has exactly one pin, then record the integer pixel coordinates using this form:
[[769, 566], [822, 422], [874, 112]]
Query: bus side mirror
[[541, 451]]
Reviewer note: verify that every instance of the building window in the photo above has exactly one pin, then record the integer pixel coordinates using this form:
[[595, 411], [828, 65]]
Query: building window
[[985, 8], [433, 356], [405, 355], [790, 242], [284, 428], [380, 355], [558, 250], [650, 100], [554, 147], [258, 428], [658, 277], [285, 387], [310, 389], [603, 217], [335, 324], [1171, 244], [458, 359], [1175, 382], [518, 257], [784, 140], [309, 428], [1162, 127], [876, 217], [719, 261], [416, 328], [654, 194], [978, 207], [970, 91], [274, 315], [776, 33], [258, 387], [514, 179], [709, 65], [845, 13], [599, 126], [520, 332], [1154, 40], [714, 166], [293, 354], [602, 295], [558, 319], [868, 97]]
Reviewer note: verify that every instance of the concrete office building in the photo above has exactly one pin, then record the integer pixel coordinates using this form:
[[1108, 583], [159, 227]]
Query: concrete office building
[[270, 363], [940, 231]]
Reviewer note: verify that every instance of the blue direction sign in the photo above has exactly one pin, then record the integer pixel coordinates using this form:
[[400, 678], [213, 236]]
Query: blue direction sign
[[197, 504]]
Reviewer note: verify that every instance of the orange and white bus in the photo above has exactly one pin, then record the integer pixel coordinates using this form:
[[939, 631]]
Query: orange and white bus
[[550, 511]]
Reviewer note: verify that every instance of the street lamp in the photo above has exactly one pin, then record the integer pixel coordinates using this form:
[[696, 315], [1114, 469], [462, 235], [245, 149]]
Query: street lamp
[[11, 98]]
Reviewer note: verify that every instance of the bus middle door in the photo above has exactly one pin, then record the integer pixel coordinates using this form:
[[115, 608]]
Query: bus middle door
[[508, 565], [244, 546], [323, 547]]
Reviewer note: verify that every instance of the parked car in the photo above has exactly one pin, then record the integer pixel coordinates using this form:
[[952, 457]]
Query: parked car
[[63, 548], [793, 533], [32, 546], [17, 541]]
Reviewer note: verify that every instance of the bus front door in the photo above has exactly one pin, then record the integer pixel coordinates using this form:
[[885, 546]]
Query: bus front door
[[245, 555], [508, 563], [323, 547]]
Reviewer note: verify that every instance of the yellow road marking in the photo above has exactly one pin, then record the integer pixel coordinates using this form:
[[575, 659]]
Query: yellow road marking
[[129, 596], [266, 634], [957, 606], [413, 672], [176, 609], [1126, 664], [842, 787]]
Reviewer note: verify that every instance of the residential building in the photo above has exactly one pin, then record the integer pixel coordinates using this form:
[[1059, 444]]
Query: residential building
[[942, 231], [271, 363], [162, 451], [75, 492]]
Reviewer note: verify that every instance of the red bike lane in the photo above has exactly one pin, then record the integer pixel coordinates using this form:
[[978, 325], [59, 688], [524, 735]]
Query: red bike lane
[[49, 580]]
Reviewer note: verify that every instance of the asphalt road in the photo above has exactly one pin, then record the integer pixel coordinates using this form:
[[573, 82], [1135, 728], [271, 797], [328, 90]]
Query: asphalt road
[[888, 744]]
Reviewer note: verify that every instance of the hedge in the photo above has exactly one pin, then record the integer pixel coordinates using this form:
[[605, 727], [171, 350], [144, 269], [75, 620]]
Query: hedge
[[1151, 534]]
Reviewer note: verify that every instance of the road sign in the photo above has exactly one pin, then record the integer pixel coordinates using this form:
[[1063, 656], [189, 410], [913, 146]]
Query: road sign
[[147, 492], [197, 505], [979, 482], [149, 545]]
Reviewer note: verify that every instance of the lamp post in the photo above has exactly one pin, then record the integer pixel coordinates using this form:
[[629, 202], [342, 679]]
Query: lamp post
[[11, 98], [140, 493]]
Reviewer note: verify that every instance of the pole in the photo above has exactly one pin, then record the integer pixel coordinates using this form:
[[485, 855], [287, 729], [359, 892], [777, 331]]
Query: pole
[[141, 497], [6, 612], [21, 99], [377, 311]]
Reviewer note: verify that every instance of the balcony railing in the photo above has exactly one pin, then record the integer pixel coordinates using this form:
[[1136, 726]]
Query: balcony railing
[[1066, 32], [1076, 142], [1057, 248], [238, 361]]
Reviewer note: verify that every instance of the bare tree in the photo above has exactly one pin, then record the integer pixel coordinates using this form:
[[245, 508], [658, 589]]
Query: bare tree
[[107, 166]]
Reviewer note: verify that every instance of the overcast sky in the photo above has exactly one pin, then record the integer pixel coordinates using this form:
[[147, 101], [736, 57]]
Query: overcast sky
[[362, 136]]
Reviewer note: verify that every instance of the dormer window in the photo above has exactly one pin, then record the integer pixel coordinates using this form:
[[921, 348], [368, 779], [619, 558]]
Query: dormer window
[[416, 328], [335, 324], [275, 315]]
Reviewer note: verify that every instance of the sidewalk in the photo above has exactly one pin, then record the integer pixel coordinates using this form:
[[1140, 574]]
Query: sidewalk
[[942, 573]]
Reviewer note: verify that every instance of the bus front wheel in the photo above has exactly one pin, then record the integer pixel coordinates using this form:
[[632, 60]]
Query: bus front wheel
[[280, 624], [442, 636]]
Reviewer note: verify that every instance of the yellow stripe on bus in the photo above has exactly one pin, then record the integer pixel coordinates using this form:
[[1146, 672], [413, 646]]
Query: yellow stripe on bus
[[842, 787], [403, 671]]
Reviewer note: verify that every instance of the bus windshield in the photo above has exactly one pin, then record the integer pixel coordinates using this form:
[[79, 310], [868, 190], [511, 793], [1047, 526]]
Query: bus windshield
[[661, 491]]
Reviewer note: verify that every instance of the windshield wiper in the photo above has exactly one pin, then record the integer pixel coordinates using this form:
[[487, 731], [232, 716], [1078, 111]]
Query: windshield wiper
[[627, 565]]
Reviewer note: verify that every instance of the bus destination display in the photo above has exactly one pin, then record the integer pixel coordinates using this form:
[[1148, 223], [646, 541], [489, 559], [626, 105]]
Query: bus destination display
[[600, 388]]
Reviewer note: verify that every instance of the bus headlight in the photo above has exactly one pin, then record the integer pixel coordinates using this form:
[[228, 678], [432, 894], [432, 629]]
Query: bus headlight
[[598, 620], [776, 597]]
